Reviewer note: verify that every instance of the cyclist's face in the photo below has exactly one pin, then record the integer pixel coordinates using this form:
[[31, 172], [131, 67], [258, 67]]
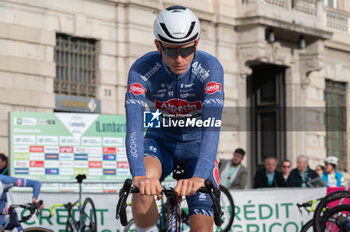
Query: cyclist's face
[[179, 64]]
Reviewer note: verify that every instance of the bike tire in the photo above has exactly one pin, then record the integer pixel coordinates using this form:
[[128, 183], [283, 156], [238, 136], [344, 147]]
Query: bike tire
[[228, 207], [307, 226], [319, 209], [129, 226], [173, 214], [92, 226], [37, 229], [328, 215]]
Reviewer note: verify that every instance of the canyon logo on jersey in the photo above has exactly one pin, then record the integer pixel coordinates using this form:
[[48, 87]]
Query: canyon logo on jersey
[[178, 106], [212, 87], [137, 89]]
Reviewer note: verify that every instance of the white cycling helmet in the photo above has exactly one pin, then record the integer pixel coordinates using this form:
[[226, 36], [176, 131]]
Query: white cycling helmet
[[176, 25], [331, 160]]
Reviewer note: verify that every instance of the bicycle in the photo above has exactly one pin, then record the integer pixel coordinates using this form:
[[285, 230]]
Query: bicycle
[[323, 218], [87, 213], [309, 207], [172, 217], [14, 222]]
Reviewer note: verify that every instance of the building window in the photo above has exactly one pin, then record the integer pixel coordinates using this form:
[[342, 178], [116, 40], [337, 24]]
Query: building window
[[75, 59], [331, 3], [335, 97]]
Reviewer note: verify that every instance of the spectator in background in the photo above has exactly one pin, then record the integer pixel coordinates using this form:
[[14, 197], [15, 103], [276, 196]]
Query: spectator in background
[[233, 174], [319, 169], [332, 177], [286, 168], [3, 164], [268, 176], [300, 176]]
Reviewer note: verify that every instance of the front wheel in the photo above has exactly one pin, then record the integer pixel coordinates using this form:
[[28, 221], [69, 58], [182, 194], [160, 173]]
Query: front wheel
[[89, 216], [336, 219], [307, 227], [228, 208], [37, 229]]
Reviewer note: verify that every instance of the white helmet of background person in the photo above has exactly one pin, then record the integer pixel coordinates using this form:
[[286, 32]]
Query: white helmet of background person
[[1, 189], [331, 160], [176, 25]]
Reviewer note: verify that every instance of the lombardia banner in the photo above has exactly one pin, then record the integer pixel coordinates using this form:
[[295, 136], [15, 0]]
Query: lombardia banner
[[55, 147]]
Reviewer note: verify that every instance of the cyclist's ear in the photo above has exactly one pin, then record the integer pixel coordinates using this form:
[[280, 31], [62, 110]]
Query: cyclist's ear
[[158, 46]]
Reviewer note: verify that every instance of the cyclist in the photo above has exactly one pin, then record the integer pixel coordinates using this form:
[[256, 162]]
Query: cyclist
[[332, 177], [6, 182], [181, 82]]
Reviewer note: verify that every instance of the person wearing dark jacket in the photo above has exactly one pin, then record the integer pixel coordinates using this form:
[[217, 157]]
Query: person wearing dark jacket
[[3, 164], [269, 177], [302, 174]]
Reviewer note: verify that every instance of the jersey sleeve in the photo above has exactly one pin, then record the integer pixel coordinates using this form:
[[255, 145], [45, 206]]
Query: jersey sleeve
[[213, 101], [21, 182], [135, 104]]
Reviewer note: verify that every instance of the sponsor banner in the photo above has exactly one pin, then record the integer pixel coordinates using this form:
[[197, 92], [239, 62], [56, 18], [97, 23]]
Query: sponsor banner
[[123, 172], [55, 147], [24, 139], [66, 164], [36, 171], [50, 156], [69, 187], [122, 158], [81, 164], [95, 172], [109, 157], [52, 171], [47, 140], [81, 150], [36, 149], [80, 156], [21, 149], [95, 164], [67, 156], [25, 121], [109, 150], [36, 164], [109, 172], [69, 141], [95, 157], [52, 163], [121, 151], [91, 141], [122, 164], [36, 156], [21, 156], [116, 142], [51, 149], [21, 171], [109, 164], [92, 187], [66, 171], [21, 163], [112, 187], [95, 149], [66, 149], [50, 187]]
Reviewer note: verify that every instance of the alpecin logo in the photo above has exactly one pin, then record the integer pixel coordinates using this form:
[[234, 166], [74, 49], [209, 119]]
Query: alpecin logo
[[137, 89], [178, 106], [212, 87]]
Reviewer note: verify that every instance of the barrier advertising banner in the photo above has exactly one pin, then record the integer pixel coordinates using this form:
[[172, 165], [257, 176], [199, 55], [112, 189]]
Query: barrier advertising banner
[[55, 147], [266, 210]]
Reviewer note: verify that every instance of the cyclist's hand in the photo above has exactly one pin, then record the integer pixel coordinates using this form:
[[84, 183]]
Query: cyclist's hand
[[35, 201], [148, 186], [187, 187]]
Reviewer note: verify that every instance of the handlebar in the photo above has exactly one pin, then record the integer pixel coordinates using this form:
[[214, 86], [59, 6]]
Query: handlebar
[[31, 207], [127, 188], [309, 206]]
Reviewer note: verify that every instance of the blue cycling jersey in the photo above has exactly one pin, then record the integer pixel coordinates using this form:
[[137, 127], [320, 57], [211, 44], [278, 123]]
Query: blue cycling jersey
[[9, 182], [198, 92]]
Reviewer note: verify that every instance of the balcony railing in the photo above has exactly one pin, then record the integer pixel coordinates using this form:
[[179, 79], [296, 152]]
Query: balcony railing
[[337, 20]]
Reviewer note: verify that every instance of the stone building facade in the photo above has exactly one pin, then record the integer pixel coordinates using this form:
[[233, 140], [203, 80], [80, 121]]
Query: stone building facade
[[284, 62]]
